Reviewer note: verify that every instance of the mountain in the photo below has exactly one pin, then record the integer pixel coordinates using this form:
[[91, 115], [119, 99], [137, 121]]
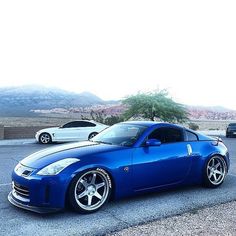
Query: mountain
[[20, 100]]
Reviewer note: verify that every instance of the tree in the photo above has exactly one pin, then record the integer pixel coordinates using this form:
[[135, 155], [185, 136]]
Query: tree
[[155, 105]]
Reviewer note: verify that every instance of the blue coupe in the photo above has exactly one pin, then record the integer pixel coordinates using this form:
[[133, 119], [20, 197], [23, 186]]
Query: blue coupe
[[126, 159]]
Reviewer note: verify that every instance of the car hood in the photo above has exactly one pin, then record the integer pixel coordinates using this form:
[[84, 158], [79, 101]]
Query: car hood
[[78, 150]]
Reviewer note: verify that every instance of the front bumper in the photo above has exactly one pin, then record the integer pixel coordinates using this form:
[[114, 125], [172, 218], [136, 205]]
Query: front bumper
[[41, 210], [37, 136], [40, 194]]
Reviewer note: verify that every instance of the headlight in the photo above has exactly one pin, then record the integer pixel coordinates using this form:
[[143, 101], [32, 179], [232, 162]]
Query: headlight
[[56, 167]]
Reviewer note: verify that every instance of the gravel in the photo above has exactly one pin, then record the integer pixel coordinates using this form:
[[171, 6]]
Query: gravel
[[217, 220]]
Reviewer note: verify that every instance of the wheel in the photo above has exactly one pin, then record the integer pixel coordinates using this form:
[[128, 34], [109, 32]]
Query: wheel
[[215, 172], [89, 191], [92, 135], [45, 138]]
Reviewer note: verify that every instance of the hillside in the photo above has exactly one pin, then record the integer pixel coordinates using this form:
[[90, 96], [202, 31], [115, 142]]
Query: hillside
[[210, 113], [19, 101]]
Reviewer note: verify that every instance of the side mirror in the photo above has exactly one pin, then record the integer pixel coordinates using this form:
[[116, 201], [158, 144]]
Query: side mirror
[[153, 142]]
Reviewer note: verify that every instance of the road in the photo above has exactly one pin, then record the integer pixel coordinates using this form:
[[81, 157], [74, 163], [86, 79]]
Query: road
[[115, 215]]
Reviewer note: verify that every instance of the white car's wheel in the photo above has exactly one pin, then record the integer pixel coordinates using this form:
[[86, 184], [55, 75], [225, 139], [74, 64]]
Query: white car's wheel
[[92, 135], [45, 138]]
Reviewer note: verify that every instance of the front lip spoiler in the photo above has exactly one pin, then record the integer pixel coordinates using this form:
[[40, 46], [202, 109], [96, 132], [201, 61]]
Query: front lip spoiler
[[41, 210]]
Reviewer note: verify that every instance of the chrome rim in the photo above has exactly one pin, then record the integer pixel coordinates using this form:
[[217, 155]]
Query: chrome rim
[[216, 169], [45, 138], [91, 190]]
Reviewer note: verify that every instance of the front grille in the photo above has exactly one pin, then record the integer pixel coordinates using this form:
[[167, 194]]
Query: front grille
[[21, 190]]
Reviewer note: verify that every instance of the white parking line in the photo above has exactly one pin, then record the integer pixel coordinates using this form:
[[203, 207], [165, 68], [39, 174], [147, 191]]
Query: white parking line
[[5, 184]]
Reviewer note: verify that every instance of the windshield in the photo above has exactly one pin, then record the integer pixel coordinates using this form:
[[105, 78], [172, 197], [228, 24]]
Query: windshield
[[120, 134]]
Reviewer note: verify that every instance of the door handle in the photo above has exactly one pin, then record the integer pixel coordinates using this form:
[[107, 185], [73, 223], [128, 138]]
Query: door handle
[[190, 150]]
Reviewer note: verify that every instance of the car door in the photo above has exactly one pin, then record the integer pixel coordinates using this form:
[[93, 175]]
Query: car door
[[69, 132], [84, 130], [169, 163], [75, 131]]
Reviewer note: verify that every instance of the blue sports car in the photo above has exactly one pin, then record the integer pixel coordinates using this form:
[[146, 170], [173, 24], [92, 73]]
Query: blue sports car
[[126, 159]]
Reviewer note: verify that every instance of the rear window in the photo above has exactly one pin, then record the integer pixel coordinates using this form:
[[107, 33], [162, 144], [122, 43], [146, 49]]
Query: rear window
[[232, 124]]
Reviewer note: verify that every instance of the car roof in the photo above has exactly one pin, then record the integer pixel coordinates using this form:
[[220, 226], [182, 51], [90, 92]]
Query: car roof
[[151, 123], [92, 121]]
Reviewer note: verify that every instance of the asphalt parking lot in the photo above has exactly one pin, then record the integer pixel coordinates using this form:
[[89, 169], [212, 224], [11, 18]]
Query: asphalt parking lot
[[115, 215]]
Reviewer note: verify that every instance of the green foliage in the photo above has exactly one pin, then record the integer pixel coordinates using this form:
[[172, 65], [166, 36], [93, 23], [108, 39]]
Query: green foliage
[[193, 126], [155, 105]]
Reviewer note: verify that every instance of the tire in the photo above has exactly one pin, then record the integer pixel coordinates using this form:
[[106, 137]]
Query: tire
[[89, 191], [92, 135], [215, 171], [45, 138]]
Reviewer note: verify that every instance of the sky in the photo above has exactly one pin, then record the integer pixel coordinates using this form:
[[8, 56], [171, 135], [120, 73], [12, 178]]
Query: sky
[[117, 48]]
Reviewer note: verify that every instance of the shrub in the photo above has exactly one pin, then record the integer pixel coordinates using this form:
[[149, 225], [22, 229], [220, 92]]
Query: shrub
[[193, 126]]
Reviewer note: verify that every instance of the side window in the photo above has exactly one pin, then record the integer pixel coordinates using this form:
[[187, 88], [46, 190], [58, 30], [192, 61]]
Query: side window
[[68, 125], [191, 136], [87, 124], [72, 124], [78, 124], [75, 124], [167, 135]]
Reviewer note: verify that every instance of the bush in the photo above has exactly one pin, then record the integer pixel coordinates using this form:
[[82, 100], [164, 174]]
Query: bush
[[101, 117], [193, 126], [111, 120]]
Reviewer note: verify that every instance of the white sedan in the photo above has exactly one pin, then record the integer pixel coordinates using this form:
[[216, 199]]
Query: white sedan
[[73, 131]]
